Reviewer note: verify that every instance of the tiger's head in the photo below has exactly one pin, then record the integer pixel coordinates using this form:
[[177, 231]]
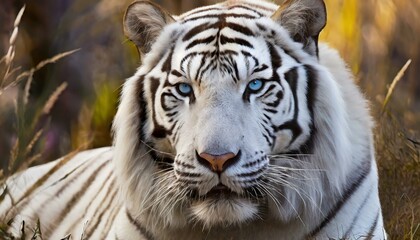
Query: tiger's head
[[220, 119]]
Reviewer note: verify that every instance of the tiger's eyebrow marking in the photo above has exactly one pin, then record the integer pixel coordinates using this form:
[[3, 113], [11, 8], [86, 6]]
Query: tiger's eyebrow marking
[[260, 69], [176, 73], [240, 41]]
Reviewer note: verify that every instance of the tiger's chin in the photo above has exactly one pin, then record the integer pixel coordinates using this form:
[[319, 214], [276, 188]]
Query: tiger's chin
[[223, 211]]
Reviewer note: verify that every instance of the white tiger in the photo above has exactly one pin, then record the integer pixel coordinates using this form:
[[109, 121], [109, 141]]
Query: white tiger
[[236, 126]]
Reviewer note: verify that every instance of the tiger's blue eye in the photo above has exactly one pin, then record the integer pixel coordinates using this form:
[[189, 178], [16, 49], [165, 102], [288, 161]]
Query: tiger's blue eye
[[255, 85], [184, 89]]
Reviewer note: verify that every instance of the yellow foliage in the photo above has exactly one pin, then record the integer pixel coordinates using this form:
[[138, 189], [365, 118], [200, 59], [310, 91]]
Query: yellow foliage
[[343, 30]]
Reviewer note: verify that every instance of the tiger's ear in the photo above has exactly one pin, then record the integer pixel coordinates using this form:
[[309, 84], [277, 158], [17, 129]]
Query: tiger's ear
[[304, 20], [143, 22]]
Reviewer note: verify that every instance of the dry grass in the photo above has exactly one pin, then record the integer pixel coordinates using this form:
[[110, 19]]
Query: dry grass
[[399, 170], [398, 156], [27, 148]]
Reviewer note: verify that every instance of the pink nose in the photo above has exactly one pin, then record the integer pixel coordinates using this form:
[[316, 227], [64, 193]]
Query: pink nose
[[217, 163]]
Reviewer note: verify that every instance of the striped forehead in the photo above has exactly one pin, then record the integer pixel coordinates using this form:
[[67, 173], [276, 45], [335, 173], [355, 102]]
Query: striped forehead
[[220, 40]]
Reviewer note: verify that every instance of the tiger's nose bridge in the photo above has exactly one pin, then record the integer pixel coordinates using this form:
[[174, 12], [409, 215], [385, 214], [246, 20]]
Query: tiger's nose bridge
[[218, 132]]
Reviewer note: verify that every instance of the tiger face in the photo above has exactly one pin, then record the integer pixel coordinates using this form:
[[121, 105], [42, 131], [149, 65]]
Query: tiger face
[[220, 95]]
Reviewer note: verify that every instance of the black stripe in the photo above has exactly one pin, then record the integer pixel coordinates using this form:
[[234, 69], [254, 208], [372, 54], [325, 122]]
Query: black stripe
[[248, 54], [293, 126], [276, 62], [239, 28], [268, 118], [76, 197], [185, 165], [312, 86], [290, 53], [167, 64], [74, 176], [250, 174], [163, 100], [267, 93], [200, 72], [236, 77], [261, 27], [109, 224], [267, 139], [177, 134], [373, 227], [224, 40], [246, 8], [23, 203], [260, 69], [209, 65], [185, 58], [207, 40], [69, 181], [158, 130], [176, 73], [253, 163], [256, 6], [170, 115], [292, 77], [278, 98], [274, 111], [80, 219], [108, 201], [365, 170], [357, 215], [140, 229], [187, 174], [141, 105], [218, 25], [163, 162], [312, 81], [220, 16], [198, 29], [269, 135]]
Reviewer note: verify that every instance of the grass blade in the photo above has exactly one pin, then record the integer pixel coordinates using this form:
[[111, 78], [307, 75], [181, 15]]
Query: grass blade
[[394, 83]]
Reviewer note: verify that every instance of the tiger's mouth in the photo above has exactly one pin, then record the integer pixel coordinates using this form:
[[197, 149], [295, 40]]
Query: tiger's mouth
[[223, 192], [220, 191]]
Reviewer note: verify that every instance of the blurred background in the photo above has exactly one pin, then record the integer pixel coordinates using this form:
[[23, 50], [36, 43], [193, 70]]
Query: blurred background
[[375, 37]]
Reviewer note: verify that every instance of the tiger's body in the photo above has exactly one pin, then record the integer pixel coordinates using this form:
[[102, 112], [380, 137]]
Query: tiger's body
[[236, 126]]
